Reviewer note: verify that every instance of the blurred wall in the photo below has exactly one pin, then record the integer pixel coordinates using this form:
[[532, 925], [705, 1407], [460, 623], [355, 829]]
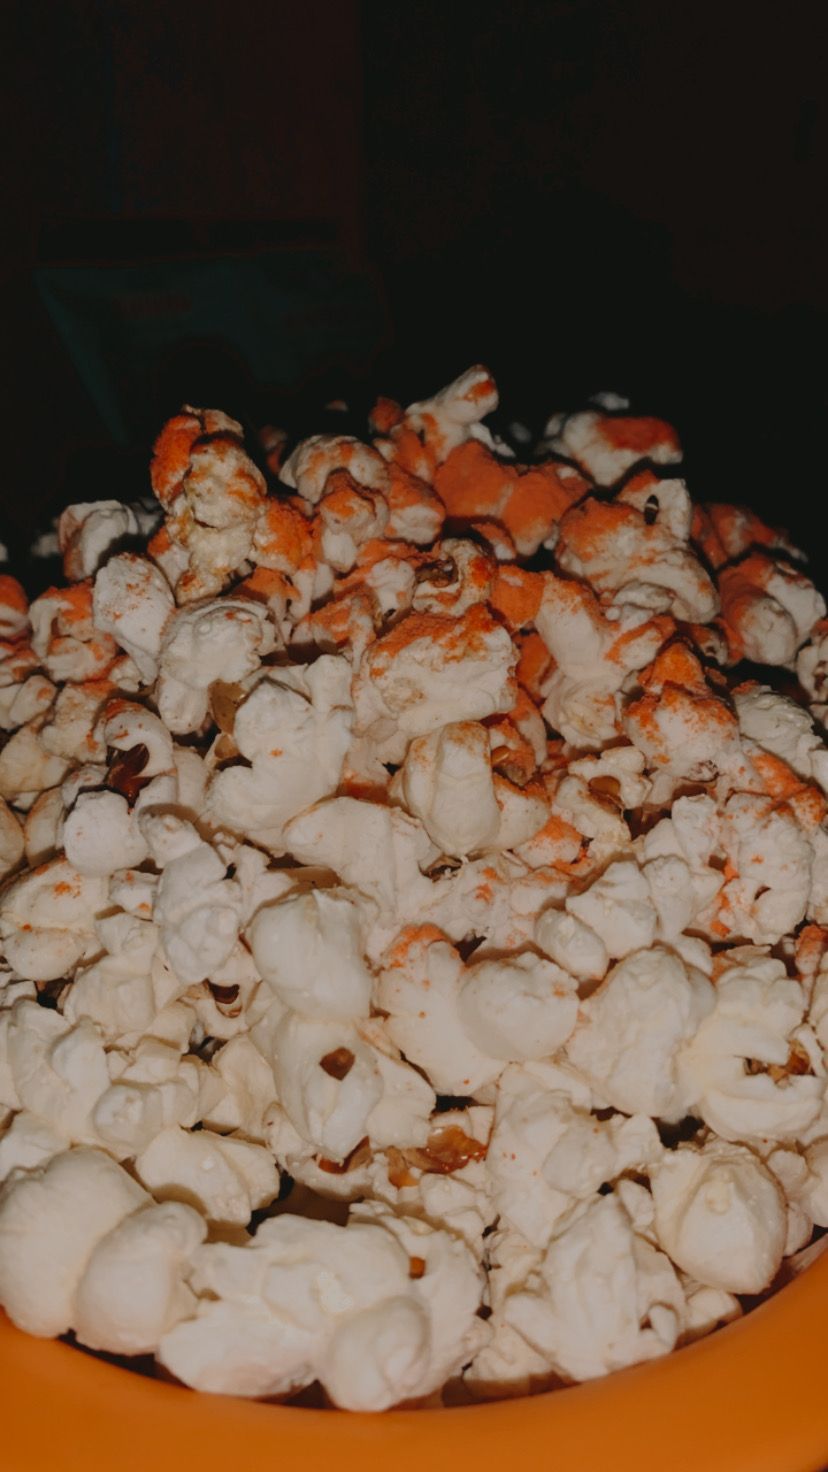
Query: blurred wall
[[580, 192]]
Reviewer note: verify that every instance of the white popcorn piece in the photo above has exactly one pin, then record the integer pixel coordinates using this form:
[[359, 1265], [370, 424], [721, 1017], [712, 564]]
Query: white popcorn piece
[[815, 1187], [212, 493], [593, 656], [223, 639], [133, 603], [47, 919], [132, 1290], [197, 909], [773, 859], [812, 668], [156, 1090], [463, 1024], [448, 1286], [21, 703], [12, 841], [600, 1299], [27, 767], [548, 1151], [376, 850], [294, 728], [769, 609], [65, 637], [631, 1029], [518, 1009], [308, 948], [88, 530], [27, 1143], [58, 1069], [71, 729], [720, 1215], [227, 1178], [124, 990], [572, 944], [349, 516], [782, 727], [758, 1008], [457, 575], [51, 1220], [306, 1299], [250, 1090], [101, 834], [420, 990], [446, 782], [327, 1082], [618, 907]]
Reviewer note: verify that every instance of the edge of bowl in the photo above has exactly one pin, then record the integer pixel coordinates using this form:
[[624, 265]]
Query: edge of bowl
[[749, 1398]]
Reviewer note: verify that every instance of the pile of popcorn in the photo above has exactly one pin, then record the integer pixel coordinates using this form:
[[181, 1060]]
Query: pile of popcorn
[[414, 935]]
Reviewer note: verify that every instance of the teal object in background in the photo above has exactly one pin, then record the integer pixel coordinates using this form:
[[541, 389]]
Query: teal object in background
[[285, 315]]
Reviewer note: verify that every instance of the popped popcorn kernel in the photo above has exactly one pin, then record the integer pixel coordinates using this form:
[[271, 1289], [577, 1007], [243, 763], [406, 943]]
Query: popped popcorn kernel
[[413, 923]]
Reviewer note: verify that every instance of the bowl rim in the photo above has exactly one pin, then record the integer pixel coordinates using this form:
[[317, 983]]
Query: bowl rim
[[748, 1398]]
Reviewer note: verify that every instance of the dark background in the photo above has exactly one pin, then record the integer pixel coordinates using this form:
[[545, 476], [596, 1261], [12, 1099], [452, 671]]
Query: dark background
[[580, 193]]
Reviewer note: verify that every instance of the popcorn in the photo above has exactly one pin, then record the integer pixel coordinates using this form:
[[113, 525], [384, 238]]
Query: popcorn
[[88, 530], [133, 603], [308, 948], [606, 445], [27, 768], [65, 637], [220, 640], [757, 1012], [431, 669], [212, 494], [11, 840], [447, 783], [51, 1220], [547, 1151], [123, 991], [47, 919], [592, 657], [528, 501], [294, 728], [618, 545], [133, 1291], [601, 1297], [340, 1304], [226, 1178], [58, 1071], [720, 1215], [782, 727], [768, 609], [630, 1030], [26, 701], [398, 839], [14, 608], [197, 910], [155, 1089], [28, 1142], [310, 466], [327, 1082], [462, 1024]]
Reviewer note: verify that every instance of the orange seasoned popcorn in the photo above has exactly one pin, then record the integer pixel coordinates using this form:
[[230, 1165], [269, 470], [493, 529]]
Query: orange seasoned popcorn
[[392, 835]]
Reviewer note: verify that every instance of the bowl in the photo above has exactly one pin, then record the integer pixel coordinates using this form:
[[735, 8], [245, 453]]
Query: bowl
[[749, 1398]]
